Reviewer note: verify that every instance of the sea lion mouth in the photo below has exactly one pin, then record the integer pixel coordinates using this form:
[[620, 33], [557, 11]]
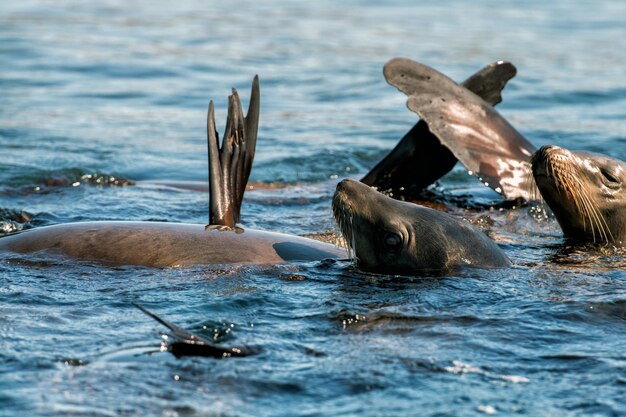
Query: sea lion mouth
[[557, 173]]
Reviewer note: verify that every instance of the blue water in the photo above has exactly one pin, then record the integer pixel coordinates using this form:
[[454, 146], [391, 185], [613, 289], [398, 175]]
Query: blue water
[[120, 89]]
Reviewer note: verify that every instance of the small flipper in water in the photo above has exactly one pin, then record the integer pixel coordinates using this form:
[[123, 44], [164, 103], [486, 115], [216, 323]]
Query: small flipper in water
[[190, 344], [420, 159], [473, 131], [230, 165]]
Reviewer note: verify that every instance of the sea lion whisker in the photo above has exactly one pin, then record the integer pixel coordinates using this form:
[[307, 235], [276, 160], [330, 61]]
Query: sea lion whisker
[[598, 219], [600, 222], [584, 206], [572, 189], [594, 213], [343, 219], [533, 190], [587, 202]]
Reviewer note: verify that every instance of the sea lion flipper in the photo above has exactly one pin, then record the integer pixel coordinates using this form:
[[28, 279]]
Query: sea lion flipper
[[490, 80], [252, 126], [419, 158], [190, 344], [477, 135], [230, 165], [177, 332], [216, 199]]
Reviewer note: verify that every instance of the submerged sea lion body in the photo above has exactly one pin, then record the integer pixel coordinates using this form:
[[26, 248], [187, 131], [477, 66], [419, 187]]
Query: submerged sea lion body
[[157, 244], [407, 238], [585, 191]]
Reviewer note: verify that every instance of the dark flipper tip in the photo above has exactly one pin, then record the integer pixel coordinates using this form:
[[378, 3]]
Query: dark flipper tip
[[190, 344], [489, 82]]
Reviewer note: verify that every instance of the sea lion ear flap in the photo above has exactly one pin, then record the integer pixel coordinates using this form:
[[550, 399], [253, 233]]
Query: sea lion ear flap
[[476, 134], [230, 164]]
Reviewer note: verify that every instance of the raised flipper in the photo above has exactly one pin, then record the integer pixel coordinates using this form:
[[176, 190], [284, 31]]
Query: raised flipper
[[190, 344], [230, 165], [473, 131], [421, 158]]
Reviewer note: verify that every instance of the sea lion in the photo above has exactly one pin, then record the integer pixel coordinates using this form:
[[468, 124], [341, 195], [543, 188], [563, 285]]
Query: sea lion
[[403, 238], [386, 235], [158, 244], [455, 124], [585, 191]]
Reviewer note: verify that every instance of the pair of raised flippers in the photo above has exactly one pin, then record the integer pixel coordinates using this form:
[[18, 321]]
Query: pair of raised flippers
[[425, 154]]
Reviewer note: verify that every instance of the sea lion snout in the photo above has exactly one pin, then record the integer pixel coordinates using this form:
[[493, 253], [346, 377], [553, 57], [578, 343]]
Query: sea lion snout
[[349, 186], [551, 161], [545, 154], [355, 194]]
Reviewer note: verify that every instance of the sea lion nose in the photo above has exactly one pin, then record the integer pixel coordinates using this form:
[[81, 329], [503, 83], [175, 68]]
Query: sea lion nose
[[546, 149], [345, 184], [543, 153]]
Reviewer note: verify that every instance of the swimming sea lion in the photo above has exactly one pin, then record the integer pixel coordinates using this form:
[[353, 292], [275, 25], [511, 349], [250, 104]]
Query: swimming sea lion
[[585, 191], [400, 237], [458, 125], [159, 244]]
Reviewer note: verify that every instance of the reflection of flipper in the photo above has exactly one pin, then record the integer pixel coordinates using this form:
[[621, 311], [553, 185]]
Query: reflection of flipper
[[230, 165], [475, 133], [190, 344]]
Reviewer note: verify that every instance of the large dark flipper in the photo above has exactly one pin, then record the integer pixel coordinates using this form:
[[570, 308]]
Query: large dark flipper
[[190, 344], [230, 165], [421, 157], [475, 133]]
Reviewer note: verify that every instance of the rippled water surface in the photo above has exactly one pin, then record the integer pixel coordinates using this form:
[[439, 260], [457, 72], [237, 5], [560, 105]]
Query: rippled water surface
[[120, 89]]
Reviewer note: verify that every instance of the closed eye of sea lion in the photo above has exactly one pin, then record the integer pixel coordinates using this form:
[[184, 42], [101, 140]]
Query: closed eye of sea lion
[[585, 192], [403, 238]]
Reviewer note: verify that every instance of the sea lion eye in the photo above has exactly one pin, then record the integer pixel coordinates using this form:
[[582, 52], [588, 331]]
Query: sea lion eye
[[610, 177], [392, 241]]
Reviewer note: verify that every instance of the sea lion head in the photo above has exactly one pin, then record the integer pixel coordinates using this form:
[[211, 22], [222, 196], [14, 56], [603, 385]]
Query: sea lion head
[[585, 192], [396, 237]]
